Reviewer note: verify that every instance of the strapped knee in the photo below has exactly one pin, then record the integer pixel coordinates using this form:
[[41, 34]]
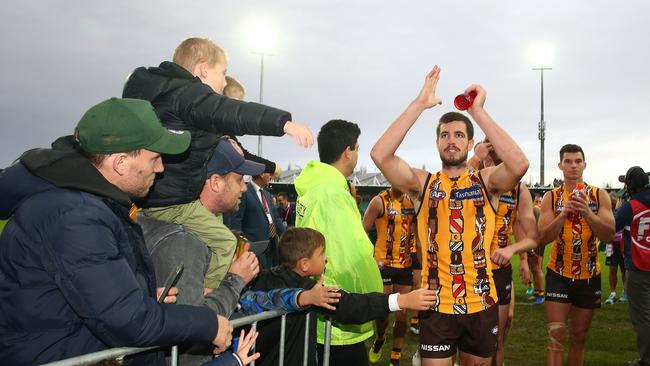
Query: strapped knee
[[556, 330]]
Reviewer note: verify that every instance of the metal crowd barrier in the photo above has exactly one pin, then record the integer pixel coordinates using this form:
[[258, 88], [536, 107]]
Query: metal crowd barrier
[[119, 353]]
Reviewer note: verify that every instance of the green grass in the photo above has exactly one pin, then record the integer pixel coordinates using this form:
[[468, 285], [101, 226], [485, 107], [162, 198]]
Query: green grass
[[2, 225], [610, 341]]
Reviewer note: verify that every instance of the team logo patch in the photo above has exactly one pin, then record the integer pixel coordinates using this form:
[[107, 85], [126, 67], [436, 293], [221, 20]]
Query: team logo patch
[[437, 194], [495, 330], [470, 193]]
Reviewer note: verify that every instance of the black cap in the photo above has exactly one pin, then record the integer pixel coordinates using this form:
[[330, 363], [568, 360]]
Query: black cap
[[635, 178]]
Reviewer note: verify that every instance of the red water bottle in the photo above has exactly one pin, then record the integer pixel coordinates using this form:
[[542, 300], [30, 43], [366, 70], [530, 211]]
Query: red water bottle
[[465, 100], [576, 193]]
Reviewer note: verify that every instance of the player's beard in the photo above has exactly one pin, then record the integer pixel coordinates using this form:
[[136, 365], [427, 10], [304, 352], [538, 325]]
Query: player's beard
[[453, 162]]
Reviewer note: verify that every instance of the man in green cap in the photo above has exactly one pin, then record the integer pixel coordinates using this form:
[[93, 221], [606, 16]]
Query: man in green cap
[[75, 274]]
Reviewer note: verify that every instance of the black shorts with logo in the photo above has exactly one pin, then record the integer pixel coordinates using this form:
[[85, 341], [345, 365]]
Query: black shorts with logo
[[397, 276], [579, 293], [442, 334], [503, 282]]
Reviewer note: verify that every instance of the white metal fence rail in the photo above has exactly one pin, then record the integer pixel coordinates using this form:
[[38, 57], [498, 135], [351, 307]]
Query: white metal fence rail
[[120, 353]]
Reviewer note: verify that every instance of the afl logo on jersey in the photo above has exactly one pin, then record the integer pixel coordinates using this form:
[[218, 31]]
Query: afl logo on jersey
[[437, 194]]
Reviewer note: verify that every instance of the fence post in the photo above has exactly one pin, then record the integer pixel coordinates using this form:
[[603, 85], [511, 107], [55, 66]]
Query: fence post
[[253, 329], [306, 355], [328, 341], [283, 330], [174, 356]]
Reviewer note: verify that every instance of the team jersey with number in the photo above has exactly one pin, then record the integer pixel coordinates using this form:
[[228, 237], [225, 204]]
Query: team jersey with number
[[455, 228], [395, 231], [574, 253], [504, 221]]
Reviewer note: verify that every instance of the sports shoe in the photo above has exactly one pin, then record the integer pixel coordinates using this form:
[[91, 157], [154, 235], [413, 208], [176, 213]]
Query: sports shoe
[[539, 300], [529, 291], [623, 297], [415, 328], [611, 299], [375, 351], [531, 298]]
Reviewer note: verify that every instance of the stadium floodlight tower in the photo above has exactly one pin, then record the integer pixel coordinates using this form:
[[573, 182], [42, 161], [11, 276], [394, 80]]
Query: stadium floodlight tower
[[542, 55]]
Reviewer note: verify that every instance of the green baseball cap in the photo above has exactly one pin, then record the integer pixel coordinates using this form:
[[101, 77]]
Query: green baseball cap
[[120, 125]]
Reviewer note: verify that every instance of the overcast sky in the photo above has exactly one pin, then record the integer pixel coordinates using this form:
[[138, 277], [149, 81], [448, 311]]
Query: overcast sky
[[362, 61]]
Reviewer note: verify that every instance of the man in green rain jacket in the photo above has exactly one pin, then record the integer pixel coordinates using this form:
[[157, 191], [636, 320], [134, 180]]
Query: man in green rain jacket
[[325, 204]]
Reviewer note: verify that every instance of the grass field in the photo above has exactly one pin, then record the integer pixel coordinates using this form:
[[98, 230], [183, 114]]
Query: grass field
[[611, 339]]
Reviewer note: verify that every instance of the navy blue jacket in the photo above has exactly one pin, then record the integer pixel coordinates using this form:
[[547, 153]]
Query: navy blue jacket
[[251, 219], [75, 274]]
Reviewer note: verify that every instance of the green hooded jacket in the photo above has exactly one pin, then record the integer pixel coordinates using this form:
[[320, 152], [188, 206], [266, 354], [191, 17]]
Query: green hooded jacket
[[325, 204]]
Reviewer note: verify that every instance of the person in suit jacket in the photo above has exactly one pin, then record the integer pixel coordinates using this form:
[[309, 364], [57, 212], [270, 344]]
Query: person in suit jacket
[[286, 210], [258, 218]]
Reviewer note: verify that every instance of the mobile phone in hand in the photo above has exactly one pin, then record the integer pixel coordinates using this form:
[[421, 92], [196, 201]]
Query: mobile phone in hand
[[171, 282]]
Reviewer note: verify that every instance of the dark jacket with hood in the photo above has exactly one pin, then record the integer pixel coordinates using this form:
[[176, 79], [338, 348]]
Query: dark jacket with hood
[[75, 274], [183, 102]]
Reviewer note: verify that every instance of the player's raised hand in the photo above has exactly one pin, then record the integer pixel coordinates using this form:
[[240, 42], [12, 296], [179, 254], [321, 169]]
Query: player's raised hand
[[427, 97]]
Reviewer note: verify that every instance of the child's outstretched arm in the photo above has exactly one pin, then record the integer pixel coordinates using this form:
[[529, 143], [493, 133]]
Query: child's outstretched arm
[[361, 308], [253, 302], [420, 299], [216, 113]]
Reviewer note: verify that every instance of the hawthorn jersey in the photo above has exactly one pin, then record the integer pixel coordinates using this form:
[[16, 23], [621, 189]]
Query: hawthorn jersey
[[395, 231], [504, 221], [574, 253], [455, 228]]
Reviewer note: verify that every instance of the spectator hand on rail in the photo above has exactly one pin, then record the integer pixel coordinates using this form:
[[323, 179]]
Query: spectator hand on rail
[[223, 338]]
